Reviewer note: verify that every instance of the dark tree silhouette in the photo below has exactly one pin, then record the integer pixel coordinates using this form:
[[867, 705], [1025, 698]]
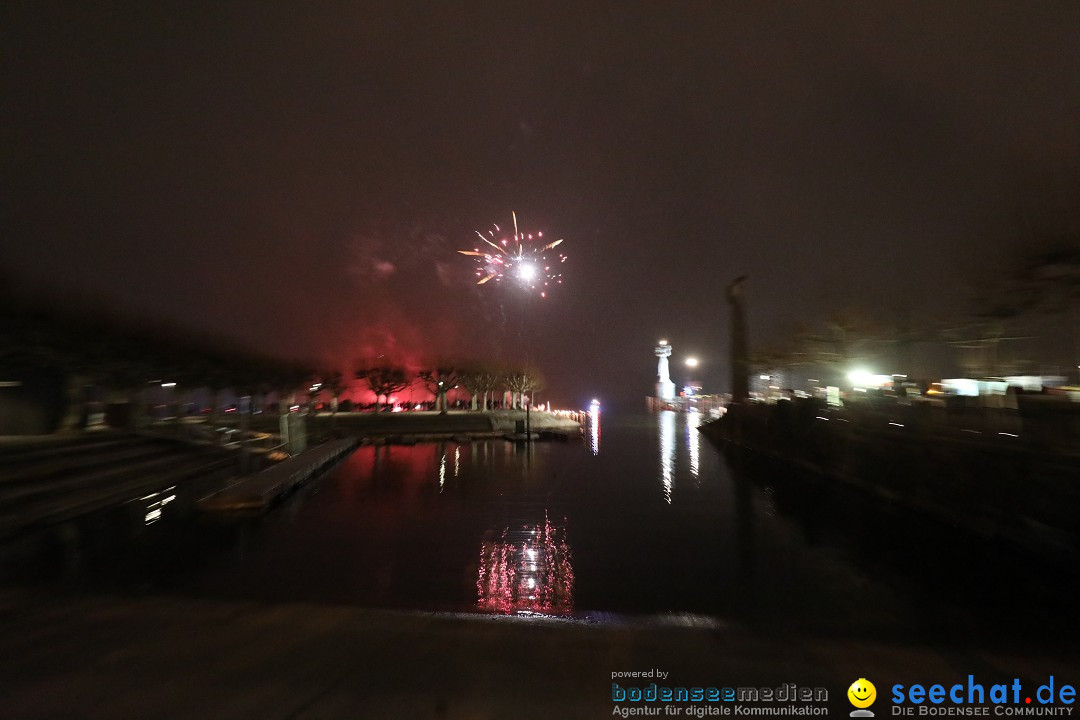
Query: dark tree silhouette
[[439, 382], [384, 381], [479, 380], [521, 382]]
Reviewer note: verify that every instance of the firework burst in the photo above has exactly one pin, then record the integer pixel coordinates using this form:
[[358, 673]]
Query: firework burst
[[522, 258]]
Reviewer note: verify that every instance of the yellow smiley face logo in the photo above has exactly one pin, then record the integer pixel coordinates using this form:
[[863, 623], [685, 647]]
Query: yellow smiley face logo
[[862, 693]]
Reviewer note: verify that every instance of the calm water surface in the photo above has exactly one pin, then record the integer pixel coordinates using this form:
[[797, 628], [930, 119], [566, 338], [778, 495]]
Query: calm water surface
[[641, 517]]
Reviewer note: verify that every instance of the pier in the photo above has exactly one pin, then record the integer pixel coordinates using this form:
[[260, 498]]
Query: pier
[[259, 491]]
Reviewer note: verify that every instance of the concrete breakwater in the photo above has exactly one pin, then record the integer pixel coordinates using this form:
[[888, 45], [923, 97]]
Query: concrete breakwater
[[423, 425], [1013, 477]]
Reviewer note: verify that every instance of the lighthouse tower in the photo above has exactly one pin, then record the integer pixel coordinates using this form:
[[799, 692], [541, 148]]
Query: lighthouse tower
[[665, 389]]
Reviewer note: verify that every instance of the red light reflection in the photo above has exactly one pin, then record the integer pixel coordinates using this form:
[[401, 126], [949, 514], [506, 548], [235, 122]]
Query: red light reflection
[[526, 570]]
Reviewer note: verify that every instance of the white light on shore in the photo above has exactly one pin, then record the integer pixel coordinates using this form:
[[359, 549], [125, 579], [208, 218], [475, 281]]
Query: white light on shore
[[865, 378]]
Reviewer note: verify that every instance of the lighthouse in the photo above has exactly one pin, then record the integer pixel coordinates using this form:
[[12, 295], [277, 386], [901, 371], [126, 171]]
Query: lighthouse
[[665, 389]]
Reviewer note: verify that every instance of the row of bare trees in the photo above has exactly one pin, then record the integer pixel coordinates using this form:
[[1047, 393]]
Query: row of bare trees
[[99, 353], [1039, 292], [478, 380]]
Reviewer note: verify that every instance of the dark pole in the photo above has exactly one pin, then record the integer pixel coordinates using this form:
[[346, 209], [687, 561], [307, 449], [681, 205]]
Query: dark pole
[[740, 352]]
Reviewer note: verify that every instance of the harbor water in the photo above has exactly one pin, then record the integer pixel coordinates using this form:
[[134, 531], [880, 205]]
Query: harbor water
[[641, 519]]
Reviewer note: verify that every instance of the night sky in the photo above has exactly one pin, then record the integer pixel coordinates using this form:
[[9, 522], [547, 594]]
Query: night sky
[[301, 175]]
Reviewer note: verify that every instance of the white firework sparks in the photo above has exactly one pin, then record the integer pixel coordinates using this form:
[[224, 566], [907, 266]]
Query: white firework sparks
[[522, 258]]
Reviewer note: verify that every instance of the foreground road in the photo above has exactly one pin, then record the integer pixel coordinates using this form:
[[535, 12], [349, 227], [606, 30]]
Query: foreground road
[[109, 657]]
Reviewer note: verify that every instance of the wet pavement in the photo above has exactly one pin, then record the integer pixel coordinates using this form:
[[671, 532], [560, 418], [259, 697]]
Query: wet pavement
[[104, 656]]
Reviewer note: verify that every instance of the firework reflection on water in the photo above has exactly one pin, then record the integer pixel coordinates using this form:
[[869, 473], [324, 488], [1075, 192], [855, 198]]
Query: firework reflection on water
[[526, 570]]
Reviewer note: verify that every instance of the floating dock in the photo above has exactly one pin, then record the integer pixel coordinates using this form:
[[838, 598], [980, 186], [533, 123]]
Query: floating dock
[[259, 491]]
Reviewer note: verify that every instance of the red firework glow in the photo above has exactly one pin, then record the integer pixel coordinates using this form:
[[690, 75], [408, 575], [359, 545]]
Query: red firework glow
[[526, 570]]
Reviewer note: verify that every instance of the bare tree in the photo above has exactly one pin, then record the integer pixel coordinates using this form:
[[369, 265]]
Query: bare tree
[[470, 380], [489, 380], [479, 381], [292, 377], [844, 341], [333, 384], [521, 382], [1042, 280], [1046, 279], [384, 381], [96, 348], [439, 382], [533, 382]]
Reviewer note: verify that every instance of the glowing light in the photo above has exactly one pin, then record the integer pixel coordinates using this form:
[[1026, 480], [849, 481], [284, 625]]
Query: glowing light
[[594, 427], [691, 362], [524, 261], [154, 509], [663, 342], [865, 379], [168, 384]]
